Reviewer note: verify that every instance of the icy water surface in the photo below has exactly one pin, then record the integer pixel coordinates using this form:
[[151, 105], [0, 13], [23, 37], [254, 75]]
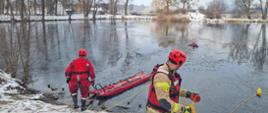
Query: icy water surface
[[230, 63]]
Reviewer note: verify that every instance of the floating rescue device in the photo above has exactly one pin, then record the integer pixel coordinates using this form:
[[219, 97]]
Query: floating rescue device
[[259, 92], [121, 86]]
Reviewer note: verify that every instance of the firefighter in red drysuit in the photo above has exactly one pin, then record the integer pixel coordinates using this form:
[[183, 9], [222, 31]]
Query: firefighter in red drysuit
[[77, 76], [164, 91]]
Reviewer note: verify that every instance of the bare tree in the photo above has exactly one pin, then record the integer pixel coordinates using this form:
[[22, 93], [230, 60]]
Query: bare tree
[[95, 10], [9, 7], [43, 9], [6, 6], [87, 6], [215, 9], [29, 8], [56, 7], [17, 7], [22, 10], [168, 3], [2, 6], [126, 6], [187, 3], [163, 5], [34, 6], [264, 8], [246, 6], [113, 7], [51, 6]]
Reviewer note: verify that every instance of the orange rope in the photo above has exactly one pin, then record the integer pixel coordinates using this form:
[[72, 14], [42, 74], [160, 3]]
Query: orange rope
[[241, 103]]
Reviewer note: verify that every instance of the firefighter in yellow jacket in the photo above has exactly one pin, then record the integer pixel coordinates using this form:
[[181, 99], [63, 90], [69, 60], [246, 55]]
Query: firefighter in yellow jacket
[[165, 89]]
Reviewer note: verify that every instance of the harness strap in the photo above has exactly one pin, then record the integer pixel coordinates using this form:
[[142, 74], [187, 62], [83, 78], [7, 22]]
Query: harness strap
[[159, 70], [83, 72], [156, 107]]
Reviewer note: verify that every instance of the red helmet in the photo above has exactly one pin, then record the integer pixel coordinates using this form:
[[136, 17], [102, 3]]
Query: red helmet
[[82, 52], [177, 57]]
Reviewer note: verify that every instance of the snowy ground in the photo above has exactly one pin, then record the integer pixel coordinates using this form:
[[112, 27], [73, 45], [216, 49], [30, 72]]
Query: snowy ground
[[193, 17], [196, 17], [6, 18], [199, 17], [12, 101]]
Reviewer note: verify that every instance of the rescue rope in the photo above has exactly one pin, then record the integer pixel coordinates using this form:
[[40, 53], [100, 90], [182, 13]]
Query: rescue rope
[[97, 85], [130, 98], [244, 101], [125, 100]]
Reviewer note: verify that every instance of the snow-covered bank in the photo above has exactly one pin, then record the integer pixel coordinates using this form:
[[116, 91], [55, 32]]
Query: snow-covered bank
[[196, 17], [234, 20], [7, 18], [244, 20], [8, 86], [189, 17], [13, 101], [201, 18]]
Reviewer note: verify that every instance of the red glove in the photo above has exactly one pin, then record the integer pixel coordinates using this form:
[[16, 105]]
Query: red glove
[[195, 97]]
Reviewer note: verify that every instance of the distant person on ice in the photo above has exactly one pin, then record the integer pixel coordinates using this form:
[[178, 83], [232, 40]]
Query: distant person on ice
[[165, 88], [80, 74]]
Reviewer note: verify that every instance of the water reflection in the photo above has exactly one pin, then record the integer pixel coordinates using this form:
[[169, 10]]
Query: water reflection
[[119, 49], [113, 51], [9, 49], [24, 39], [259, 52], [239, 44], [45, 48], [249, 46], [127, 55], [171, 34], [35, 46]]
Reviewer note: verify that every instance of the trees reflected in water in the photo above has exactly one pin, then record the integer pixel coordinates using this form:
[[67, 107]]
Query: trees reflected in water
[[16, 48], [9, 49], [259, 51], [113, 45], [248, 41], [26, 46], [45, 46], [42, 46], [247, 46], [171, 34], [239, 43]]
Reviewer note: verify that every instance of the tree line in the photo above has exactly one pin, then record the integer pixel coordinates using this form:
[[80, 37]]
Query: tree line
[[242, 8], [26, 8], [215, 8]]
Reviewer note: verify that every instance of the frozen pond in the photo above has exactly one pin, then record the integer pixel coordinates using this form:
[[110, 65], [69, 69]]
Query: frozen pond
[[230, 63]]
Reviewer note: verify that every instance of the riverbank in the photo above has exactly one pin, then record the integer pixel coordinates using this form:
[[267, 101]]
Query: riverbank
[[201, 18], [7, 18], [234, 21], [172, 18], [184, 18], [14, 98]]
